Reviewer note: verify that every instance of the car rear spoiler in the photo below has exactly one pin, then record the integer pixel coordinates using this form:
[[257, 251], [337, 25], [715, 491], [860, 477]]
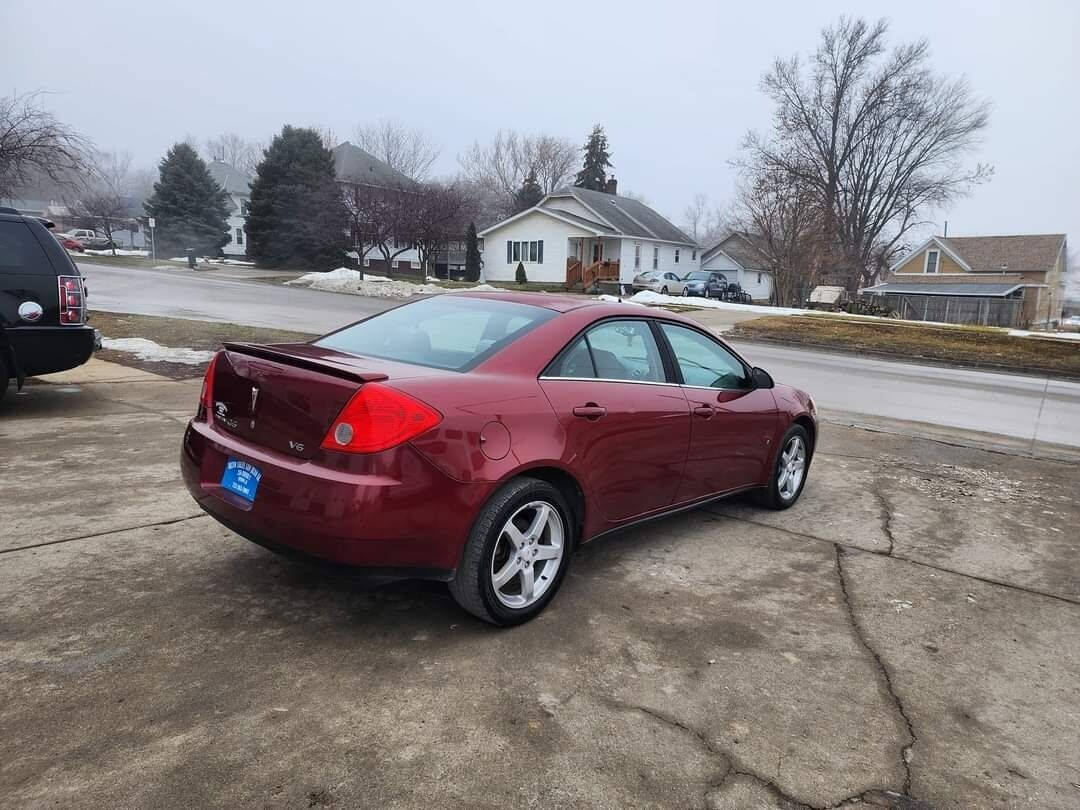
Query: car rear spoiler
[[281, 354]]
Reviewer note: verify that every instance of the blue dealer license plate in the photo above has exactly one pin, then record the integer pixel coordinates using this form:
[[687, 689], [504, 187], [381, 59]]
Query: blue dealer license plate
[[241, 479]]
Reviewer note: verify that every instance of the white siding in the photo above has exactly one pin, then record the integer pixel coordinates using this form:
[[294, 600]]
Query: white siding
[[570, 205], [756, 282], [236, 220], [665, 258], [529, 228]]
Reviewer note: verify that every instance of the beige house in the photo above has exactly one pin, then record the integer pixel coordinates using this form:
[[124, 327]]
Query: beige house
[[990, 280]]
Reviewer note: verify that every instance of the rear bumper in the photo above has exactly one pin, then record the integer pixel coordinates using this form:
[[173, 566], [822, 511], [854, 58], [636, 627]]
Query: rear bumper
[[49, 349], [392, 514]]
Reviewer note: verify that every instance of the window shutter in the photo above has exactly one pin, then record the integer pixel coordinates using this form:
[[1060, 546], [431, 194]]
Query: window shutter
[[540, 252], [509, 249]]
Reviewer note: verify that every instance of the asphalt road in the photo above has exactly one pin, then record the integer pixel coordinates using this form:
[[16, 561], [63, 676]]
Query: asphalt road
[[1025, 409]]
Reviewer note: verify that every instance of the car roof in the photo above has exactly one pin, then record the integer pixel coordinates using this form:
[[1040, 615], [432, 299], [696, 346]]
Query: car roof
[[555, 301]]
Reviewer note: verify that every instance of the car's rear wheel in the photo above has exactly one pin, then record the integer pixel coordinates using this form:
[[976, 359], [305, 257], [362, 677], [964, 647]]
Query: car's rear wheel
[[516, 555], [789, 472], [686, 292]]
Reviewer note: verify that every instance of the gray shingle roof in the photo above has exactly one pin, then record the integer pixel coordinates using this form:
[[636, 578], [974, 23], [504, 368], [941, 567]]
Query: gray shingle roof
[[588, 223], [628, 216], [232, 180], [915, 288], [1033, 253], [354, 165], [741, 247]]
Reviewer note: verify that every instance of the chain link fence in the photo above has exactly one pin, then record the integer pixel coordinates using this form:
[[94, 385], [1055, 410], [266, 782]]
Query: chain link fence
[[959, 309]]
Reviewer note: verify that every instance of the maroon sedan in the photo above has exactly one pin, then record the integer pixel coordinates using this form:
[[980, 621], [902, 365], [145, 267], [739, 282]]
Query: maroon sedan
[[478, 438]]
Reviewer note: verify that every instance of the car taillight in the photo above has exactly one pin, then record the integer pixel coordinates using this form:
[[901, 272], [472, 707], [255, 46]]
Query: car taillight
[[72, 301], [377, 418], [206, 396]]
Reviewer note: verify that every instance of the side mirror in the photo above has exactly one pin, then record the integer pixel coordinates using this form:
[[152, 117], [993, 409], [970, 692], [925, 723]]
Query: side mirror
[[761, 378]]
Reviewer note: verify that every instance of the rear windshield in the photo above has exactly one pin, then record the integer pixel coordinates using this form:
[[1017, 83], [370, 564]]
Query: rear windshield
[[451, 332], [20, 251]]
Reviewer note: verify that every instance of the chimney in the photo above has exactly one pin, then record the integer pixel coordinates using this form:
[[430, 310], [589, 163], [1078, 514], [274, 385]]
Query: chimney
[[611, 186]]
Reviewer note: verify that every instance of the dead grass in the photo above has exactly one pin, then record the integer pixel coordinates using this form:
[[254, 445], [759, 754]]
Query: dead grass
[[179, 333], [963, 346]]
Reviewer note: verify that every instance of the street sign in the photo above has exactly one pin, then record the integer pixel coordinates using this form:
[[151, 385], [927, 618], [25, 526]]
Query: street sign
[[150, 221]]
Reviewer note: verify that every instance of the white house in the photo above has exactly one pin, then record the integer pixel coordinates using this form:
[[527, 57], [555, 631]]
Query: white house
[[238, 186], [577, 236], [738, 258]]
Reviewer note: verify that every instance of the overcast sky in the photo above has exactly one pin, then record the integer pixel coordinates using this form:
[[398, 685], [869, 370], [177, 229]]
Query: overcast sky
[[676, 85]]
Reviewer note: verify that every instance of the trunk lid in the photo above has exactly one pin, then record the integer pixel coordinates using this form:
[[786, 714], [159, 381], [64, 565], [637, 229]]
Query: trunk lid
[[285, 397]]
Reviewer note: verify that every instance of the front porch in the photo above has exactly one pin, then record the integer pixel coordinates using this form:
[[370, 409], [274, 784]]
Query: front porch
[[591, 261]]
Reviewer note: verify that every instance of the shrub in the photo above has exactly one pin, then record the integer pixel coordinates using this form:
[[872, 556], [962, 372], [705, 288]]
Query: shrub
[[520, 274]]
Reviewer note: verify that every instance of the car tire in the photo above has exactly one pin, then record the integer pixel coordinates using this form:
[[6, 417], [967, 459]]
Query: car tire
[[780, 494], [663, 291], [686, 292], [474, 584]]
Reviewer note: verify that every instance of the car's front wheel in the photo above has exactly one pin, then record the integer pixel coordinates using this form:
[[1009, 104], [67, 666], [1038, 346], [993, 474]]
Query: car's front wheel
[[789, 471], [516, 555], [663, 290]]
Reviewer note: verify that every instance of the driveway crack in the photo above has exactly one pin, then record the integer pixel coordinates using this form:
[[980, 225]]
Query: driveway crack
[[883, 671], [886, 515]]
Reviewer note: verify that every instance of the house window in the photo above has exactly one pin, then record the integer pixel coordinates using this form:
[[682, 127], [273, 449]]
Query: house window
[[540, 251], [517, 251], [414, 265], [931, 261], [480, 243], [637, 255], [532, 251], [655, 258], [676, 255], [239, 236], [693, 255]]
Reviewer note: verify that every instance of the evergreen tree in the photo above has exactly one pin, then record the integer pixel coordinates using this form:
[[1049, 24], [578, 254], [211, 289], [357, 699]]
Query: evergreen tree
[[472, 254], [520, 276], [529, 194], [190, 209], [593, 174], [296, 215]]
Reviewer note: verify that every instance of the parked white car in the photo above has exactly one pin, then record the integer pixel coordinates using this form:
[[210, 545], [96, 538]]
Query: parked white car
[[665, 283]]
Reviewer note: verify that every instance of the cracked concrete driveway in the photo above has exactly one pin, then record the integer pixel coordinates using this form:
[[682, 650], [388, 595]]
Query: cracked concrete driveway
[[907, 636]]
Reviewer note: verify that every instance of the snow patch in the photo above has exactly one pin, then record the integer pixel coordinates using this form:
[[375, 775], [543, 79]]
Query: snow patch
[[1047, 335], [652, 299], [145, 349], [119, 252], [353, 282]]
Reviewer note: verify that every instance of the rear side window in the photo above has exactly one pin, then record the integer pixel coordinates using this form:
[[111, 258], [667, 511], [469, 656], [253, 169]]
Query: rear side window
[[20, 252], [451, 332]]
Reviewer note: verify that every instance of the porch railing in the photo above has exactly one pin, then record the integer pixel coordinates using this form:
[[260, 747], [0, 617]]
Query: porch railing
[[585, 277]]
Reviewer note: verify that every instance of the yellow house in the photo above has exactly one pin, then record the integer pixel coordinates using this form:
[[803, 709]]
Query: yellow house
[[990, 280]]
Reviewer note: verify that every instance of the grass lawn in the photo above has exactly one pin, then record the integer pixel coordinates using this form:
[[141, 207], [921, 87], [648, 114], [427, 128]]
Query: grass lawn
[[957, 345], [179, 333]]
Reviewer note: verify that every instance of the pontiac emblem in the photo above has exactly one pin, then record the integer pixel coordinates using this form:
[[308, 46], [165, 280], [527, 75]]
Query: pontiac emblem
[[254, 398]]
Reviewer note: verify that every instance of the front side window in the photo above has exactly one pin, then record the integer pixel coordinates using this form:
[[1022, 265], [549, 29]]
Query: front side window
[[704, 363], [450, 332], [625, 350], [931, 261]]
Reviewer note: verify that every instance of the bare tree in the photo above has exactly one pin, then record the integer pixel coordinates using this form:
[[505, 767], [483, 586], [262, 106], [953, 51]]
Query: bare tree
[[33, 143], [382, 218], [105, 202], [695, 216], [501, 166], [410, 151], [230, 148], [441, 216], [874, 134], [781, 217]]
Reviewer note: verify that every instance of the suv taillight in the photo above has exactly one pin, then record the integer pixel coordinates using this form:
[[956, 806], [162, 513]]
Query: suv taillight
[[378, 418], [72, 301], [205, 411]]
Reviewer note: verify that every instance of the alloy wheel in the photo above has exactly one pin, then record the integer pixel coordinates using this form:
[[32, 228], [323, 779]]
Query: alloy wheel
[[792, 468], [527, 554]]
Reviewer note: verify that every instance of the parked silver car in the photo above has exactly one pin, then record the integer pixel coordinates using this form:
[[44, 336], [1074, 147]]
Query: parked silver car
[[665, 283]]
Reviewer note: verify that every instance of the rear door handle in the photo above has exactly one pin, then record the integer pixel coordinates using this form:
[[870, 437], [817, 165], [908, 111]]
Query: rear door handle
[[590, 411], [705, 411]]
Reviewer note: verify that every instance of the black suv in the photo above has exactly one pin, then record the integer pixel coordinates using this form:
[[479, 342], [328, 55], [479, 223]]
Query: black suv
[[42, 303]]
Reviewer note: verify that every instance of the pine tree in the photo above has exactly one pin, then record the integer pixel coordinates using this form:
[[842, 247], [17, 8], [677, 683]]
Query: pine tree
[[529, 194], [190, 209], [520, 276], [472, 254], [593, 174], [296, 215]]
